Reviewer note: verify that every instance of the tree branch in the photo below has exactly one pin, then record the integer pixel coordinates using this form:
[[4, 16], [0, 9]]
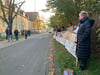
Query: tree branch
[[2, 8], [1, 17], [18, 9], [10, 8], [4, 19], [13, 7], [3, 11]]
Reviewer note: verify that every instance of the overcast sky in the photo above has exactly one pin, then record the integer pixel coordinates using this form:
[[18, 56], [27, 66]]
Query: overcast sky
[[39, 5], [36, 5]]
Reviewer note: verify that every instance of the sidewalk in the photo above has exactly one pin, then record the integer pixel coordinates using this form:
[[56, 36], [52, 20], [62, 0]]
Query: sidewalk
[[5, 43]]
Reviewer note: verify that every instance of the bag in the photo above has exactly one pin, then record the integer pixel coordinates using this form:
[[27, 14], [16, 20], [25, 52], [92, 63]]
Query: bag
[[68, 72]]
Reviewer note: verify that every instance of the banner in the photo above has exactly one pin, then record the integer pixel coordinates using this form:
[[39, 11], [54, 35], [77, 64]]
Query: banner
[[68, 40], [58, 38], [70, 47], [70, 43], [62, 41]]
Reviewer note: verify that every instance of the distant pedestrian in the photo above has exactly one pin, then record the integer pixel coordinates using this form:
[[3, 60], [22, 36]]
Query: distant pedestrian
[[29, 32], [22, 32], [9, 34], [26, 34], [83, 39], [16, 32]]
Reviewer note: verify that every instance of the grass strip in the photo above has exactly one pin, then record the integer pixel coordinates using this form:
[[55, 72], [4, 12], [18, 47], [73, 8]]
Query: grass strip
[[65, 60]]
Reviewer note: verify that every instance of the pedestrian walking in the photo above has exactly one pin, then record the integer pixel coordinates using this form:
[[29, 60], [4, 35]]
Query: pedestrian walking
[[26, 34], [83, 39], [22, 32], [29, 32], [16, 32], [8, 34]]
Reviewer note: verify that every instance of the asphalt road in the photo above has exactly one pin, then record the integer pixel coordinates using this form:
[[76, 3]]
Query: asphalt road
[[27, 57]]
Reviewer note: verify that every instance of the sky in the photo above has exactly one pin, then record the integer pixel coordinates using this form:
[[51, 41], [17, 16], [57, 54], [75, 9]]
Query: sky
[[36, 5], [39, 5]]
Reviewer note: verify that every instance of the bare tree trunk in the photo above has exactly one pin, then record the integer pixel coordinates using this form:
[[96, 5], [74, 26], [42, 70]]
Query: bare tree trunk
[[11, 10], [10, 22]]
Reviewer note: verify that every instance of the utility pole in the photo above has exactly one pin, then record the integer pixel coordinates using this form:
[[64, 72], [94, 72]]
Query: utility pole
[[34, 5]]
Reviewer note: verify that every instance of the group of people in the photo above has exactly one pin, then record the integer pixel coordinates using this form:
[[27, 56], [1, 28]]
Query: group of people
[[16, 33]]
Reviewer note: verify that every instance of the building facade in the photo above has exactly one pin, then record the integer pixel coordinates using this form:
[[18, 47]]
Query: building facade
[[21, 21], [38, 24]]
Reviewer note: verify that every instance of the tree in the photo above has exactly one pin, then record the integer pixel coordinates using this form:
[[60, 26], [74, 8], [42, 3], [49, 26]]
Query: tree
[[58, 21], [67, 8], [10, 11], [71, 8], [52, 22]]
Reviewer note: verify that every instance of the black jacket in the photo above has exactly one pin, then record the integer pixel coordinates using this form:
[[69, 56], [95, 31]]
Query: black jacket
[[8, 32], [83, 38], [16, 32]]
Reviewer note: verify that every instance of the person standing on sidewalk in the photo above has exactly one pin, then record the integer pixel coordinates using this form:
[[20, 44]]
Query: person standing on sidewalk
[[8, 34], [16, 32], [26, 34], [29, 32], [83, 39]]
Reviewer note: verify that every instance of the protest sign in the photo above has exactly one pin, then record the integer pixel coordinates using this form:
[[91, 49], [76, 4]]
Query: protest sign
[[70, 43]]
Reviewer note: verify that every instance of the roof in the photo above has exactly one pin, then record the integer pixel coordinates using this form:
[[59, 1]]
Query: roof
[[32, 15]]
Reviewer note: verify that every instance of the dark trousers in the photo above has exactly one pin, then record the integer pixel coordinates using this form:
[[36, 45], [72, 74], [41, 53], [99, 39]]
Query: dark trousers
[[16, 37], [25, 36], [83, 63]]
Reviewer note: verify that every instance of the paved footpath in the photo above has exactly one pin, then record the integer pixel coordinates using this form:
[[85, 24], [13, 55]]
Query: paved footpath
[[5, 43]]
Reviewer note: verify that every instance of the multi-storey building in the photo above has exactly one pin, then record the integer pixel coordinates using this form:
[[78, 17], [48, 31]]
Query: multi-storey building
[[38, 24], [24, 20], [20, 22]]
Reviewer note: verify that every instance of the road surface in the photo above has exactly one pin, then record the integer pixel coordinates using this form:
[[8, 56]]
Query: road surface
[[28, 57]]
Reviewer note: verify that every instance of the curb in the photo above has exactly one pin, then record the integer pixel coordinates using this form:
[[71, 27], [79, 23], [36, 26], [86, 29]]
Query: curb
[[51, 59], [5, 43]]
